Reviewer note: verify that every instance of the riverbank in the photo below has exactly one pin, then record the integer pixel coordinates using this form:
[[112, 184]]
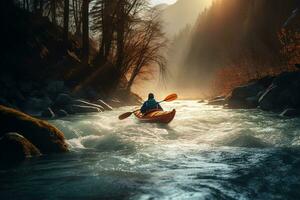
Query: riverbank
[[279, 94]]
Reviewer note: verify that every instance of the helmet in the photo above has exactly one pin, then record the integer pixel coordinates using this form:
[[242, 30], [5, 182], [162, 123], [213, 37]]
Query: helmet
[[150, 96]]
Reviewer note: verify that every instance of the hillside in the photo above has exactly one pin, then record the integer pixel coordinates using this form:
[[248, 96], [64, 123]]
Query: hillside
[[235, 33], [181, 13]]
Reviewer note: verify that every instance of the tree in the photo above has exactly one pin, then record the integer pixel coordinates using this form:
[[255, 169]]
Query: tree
[[66, 22], [85, 32], [148, 44], [53, 11]]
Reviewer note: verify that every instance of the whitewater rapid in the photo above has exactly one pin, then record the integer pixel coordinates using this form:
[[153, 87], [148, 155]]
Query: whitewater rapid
[[205, 153]]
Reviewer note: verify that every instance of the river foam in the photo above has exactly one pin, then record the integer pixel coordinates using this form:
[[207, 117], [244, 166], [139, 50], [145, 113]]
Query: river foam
[[206, 153]]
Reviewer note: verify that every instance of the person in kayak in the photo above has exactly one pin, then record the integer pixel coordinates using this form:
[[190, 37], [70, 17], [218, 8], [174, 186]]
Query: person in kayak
[[150, 104]]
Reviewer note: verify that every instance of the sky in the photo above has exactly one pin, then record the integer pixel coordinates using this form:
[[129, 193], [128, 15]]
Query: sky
[[154, 2]]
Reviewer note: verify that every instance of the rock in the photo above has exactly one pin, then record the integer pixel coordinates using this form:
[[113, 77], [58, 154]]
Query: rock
[[218, 102], [245, 97], [283, 93], [217, 98], [267, 100], [104, 105], [44, 136], [55, 87], [85, 103], [14, 148], [84, 109], [62, 113], [63, 99], [290, 112], [48, 113], [4, 102], [37, 104]]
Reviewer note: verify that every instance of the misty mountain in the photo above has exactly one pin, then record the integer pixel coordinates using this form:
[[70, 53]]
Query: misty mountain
[[176, 16], [236, 33]]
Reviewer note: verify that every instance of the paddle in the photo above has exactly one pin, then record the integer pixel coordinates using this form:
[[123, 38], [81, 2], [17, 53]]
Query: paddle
[[169, 98]]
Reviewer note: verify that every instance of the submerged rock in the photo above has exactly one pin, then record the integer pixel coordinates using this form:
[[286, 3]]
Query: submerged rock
[[62, 113], [84, 109], [247, 141], [14, 148], [44, 136]]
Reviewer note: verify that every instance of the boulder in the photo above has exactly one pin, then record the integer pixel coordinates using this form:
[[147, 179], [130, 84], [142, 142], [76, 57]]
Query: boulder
[[62, 113], [63, 99], [245, 96], [84, 109], [37, 104], [48, 113], [85, 103], [283, 93], [104, 105], [14, 148], [41, 134], [290, 112]]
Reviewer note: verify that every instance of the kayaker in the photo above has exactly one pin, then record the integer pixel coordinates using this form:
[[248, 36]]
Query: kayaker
[[150, 104]]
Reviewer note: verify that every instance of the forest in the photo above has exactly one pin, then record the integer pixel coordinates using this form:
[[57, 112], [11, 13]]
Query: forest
[[236, 41], [103, 44]]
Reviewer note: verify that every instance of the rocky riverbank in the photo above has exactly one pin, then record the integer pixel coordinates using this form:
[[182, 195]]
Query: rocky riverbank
[[22, 136], [280, 94], [53, 98]]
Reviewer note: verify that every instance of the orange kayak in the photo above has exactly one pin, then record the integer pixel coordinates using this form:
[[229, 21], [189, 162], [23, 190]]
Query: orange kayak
[[156, 116]]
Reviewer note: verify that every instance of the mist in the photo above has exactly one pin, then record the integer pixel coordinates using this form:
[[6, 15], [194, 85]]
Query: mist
[[177, 21]]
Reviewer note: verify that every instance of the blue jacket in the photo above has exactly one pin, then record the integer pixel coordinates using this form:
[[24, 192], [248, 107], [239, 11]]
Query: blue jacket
[[150, 104]]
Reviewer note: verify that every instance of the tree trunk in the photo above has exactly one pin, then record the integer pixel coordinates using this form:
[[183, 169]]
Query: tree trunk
[[107, 30], [85, 32], [41, 10], [53, 11], [120, 34], [27, 4], [35, 6], [66, 23]]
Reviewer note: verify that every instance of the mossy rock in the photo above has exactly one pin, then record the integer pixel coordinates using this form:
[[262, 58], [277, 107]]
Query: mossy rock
[[43, 135], [14, 148]]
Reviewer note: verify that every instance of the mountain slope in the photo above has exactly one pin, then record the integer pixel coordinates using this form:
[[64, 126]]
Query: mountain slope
[[181, 13]]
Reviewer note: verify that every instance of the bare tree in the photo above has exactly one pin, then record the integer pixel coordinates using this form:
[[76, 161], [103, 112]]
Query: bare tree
[[145, 48]]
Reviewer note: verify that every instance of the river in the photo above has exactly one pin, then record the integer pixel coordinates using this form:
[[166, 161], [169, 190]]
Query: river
[[205, 153]]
